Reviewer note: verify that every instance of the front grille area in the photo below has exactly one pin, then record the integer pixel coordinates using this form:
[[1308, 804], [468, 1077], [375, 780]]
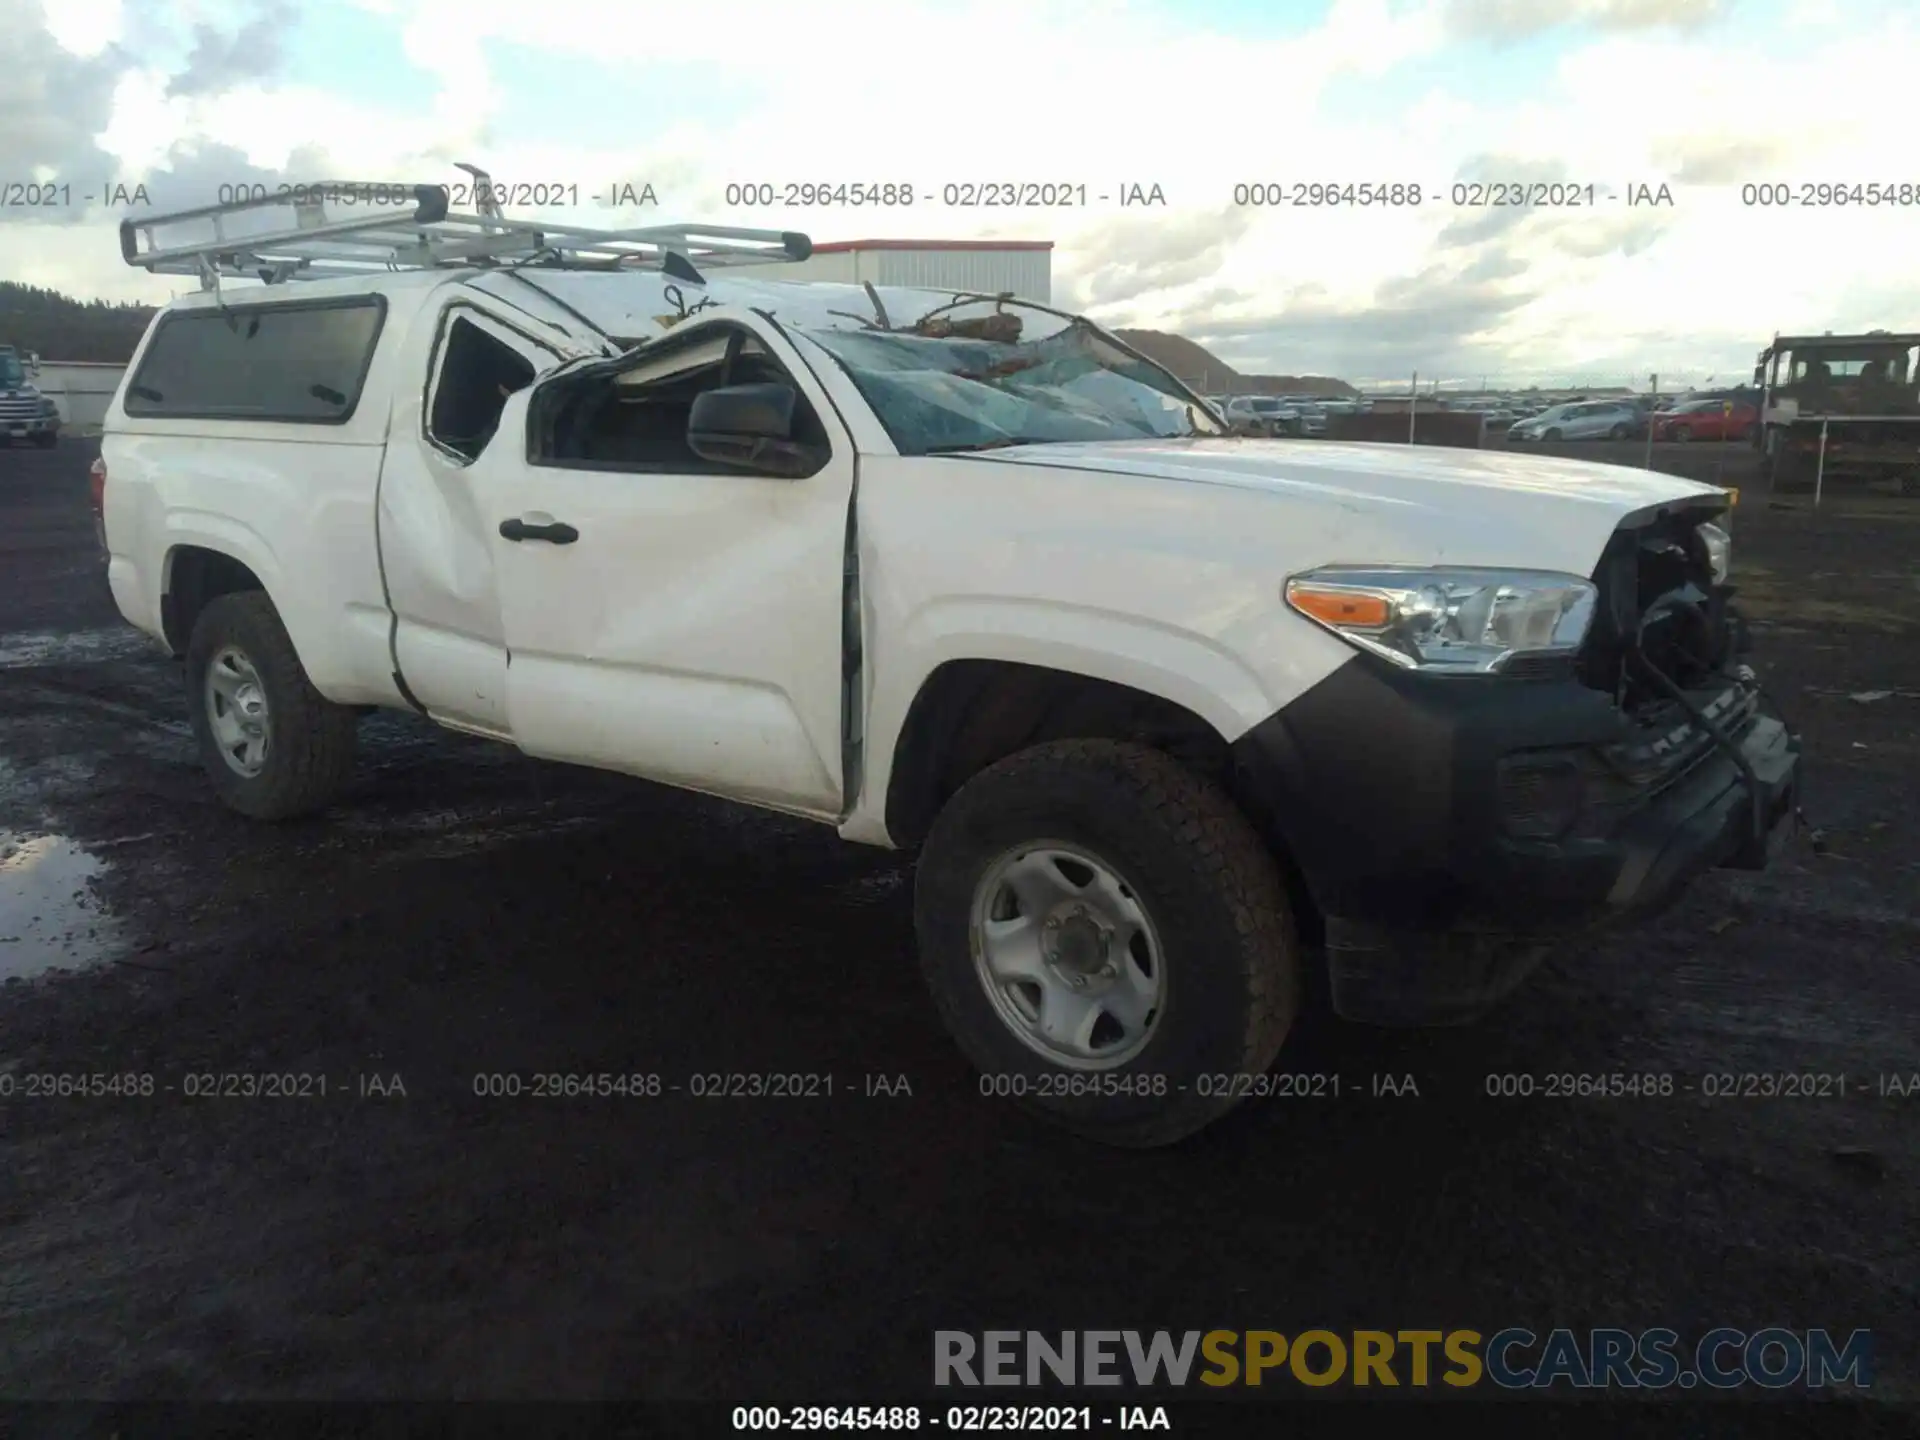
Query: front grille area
[[1540, 667], [1587, 793], [1667, 742], [18, 409], [1541, 796]]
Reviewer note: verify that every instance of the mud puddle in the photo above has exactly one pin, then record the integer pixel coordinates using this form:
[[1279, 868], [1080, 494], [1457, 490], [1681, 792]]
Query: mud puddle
[[23, 649], [48, 918]]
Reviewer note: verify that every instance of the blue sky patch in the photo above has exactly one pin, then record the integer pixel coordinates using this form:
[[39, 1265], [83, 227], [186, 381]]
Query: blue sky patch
[[359, 56], [548, 97]]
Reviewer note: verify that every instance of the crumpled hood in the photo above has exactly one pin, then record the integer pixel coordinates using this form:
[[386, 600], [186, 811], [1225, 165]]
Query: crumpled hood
[[1425, 475], [1430, 504]]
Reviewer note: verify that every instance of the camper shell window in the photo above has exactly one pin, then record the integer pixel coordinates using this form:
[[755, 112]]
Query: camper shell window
[[302, 363]]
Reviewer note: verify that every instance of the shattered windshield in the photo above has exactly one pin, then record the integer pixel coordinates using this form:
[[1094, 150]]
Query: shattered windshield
[[983, 375]]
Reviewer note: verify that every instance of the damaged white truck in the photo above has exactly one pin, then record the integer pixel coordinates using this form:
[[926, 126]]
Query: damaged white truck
[[1169, 715]]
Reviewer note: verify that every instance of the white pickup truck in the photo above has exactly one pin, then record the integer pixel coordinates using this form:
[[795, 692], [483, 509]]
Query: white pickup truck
[[1170, 715]]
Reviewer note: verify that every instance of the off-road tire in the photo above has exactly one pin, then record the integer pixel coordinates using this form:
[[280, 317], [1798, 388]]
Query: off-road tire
[[310, 740], [1208, 883]]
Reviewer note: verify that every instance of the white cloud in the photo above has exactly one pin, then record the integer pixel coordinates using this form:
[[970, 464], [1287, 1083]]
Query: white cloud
[[83, 27], [1105, 92], [1516, 19], [46, 255], [443, 37]]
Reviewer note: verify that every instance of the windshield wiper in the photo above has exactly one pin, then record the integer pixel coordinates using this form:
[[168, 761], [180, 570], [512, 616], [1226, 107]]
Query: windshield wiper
[[980, 445]]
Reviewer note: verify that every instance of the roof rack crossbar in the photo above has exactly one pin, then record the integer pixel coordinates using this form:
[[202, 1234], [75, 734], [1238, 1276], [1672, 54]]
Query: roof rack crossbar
[[334, 232]]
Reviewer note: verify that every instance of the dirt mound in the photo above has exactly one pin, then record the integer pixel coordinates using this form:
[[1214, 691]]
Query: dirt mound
[[1199, 366]]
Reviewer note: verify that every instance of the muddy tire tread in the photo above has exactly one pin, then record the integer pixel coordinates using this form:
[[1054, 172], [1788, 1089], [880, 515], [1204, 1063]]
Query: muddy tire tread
[[313, 738], [1229, 856]]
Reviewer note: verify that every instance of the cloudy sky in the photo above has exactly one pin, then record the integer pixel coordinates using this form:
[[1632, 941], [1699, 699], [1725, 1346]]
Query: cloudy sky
[[1702, 96]]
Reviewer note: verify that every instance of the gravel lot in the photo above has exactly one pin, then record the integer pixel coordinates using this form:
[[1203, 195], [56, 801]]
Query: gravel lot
[[467, 913]]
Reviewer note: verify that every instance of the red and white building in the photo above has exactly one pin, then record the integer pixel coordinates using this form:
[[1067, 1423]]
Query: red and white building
[[1023, 268]]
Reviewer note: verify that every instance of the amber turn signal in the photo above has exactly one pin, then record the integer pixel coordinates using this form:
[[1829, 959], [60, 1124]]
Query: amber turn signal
[[1336, 605]]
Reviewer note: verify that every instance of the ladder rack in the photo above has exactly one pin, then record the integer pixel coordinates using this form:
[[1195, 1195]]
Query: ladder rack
[[343, 228]]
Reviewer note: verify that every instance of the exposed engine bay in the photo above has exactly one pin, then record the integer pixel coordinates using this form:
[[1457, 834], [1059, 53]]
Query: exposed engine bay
[[1667, 644], [1664, 620]]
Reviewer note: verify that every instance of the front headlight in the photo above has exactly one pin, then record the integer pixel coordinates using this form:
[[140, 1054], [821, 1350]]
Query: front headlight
[[1719, 551], [1447, 620]]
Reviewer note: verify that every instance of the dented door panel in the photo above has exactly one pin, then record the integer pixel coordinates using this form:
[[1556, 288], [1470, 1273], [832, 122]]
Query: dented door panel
[[691, 630], [436, 549]]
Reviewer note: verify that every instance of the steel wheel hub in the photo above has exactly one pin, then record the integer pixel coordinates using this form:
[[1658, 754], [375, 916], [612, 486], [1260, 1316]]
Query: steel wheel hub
[[1077, 945], [236, 702], [1067, 955]]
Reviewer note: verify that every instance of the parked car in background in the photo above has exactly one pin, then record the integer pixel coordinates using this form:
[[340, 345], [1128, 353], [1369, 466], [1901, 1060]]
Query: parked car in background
[[1304, 418], [1707, 420], [1494, 413], [1262, 414], [1588, 420], [25, 413]]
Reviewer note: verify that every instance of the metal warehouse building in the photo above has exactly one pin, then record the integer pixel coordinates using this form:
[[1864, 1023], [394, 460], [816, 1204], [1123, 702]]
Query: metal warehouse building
[[1023, 268]]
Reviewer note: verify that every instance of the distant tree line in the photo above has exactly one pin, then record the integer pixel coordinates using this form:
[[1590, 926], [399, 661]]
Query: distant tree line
[[59, 327]]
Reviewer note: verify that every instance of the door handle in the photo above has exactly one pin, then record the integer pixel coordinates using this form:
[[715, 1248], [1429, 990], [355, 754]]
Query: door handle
[[554, 533]]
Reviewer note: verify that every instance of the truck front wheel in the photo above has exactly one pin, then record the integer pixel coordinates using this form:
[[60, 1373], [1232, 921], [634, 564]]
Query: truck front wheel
[[1108, 940], [273, 746]]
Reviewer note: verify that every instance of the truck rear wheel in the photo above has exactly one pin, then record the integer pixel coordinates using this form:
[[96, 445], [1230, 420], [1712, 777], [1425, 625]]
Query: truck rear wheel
[[273, 746], [1108, 940]]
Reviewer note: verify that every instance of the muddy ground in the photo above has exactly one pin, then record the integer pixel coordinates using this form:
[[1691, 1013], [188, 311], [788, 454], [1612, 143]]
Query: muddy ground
[[466, 913]]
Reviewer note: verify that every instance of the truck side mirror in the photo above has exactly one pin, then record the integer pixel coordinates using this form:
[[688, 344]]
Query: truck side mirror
[[751, 427], [33, 362]]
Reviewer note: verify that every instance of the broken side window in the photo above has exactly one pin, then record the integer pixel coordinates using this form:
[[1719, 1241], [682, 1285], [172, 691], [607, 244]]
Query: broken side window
[[637, 420], [478, 372]]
